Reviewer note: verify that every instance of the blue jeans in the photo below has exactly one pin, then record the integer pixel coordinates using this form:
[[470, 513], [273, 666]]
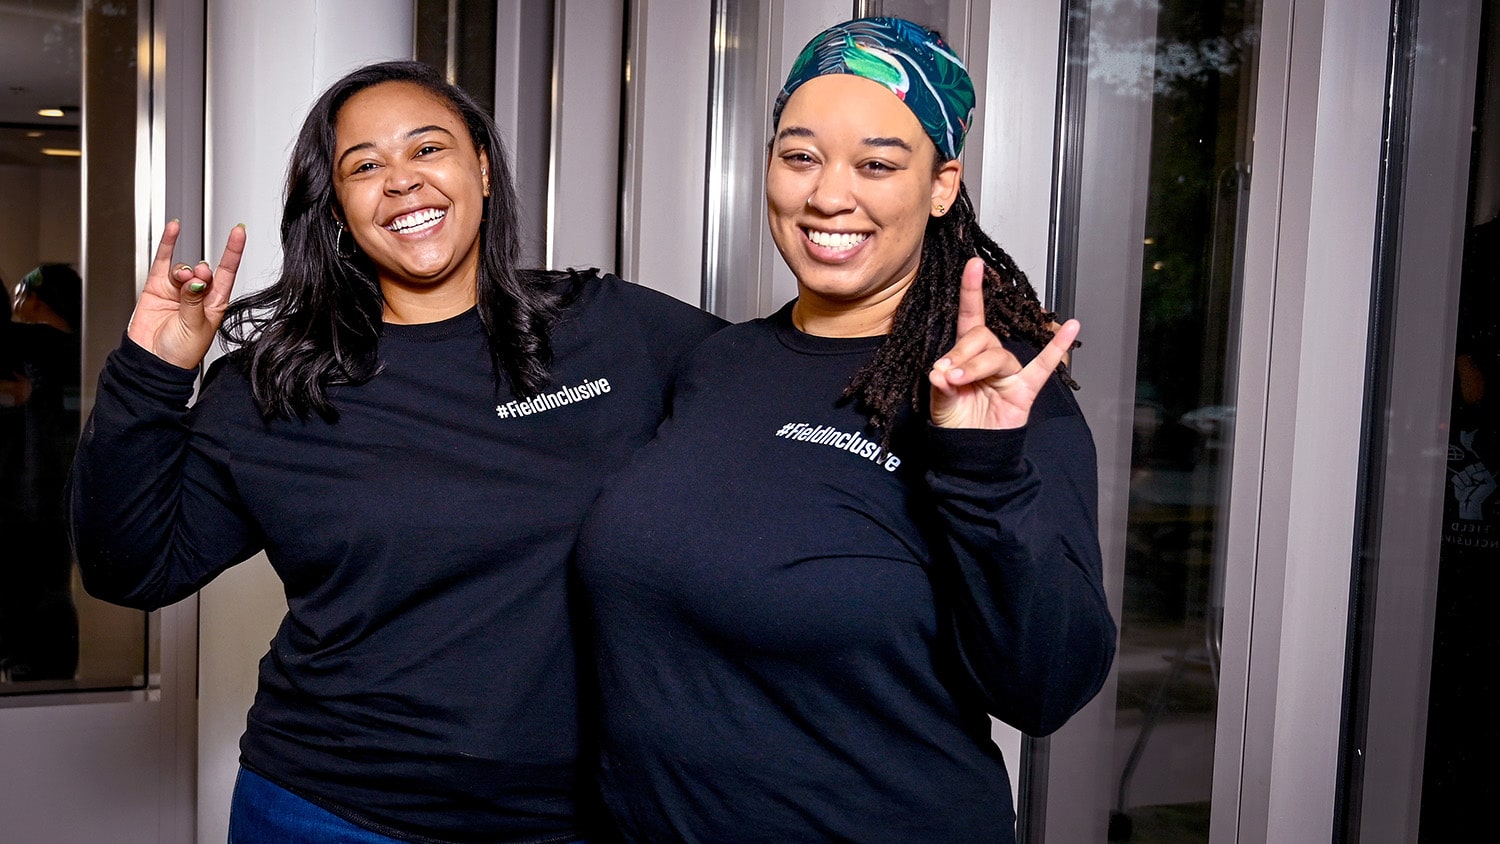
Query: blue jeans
[[263, 812]]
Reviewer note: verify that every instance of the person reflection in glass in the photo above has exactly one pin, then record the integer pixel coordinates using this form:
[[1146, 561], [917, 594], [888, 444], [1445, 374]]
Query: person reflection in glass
[[39, 379]]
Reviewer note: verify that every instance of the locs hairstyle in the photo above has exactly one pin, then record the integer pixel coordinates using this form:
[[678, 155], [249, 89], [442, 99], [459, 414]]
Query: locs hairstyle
[[926, 321], [319, 324]]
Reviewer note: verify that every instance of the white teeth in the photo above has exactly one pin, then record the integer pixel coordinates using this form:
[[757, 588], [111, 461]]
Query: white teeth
[[836, 240], [416, 221]]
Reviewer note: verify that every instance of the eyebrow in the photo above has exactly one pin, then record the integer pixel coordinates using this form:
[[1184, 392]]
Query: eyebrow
[[804, 132], [421, 130]]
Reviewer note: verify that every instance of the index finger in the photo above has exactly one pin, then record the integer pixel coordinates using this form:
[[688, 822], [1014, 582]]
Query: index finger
[[971, 297], [162, 263]]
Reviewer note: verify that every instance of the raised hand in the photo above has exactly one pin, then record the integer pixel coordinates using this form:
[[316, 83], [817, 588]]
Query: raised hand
[[182, 306], [978, 383]]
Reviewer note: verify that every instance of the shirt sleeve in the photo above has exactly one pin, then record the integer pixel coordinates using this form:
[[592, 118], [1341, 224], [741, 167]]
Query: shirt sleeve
[[1022, 578], [154, 515], [672, 328]]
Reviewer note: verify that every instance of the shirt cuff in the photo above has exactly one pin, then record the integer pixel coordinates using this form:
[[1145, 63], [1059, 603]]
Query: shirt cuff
[[977, 453], [132, 364]]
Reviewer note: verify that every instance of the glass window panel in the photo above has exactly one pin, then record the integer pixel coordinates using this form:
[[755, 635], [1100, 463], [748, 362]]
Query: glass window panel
[[1418, 732], [1463, 735], [1149, 254], [54, 637]]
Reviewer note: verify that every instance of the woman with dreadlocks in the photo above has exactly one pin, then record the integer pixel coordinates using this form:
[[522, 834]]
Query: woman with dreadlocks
[[870, 522]]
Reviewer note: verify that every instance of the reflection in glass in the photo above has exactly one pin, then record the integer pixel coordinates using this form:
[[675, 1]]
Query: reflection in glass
[[53, 637], [1197, 72], [39, 411], [1463, 735]]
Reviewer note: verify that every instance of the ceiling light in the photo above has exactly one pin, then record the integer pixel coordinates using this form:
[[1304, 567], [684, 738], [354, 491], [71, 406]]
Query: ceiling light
[[49, 112], [64, 153]]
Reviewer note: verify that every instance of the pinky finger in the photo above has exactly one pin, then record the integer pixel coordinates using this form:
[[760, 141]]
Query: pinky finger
[[1054, 352]]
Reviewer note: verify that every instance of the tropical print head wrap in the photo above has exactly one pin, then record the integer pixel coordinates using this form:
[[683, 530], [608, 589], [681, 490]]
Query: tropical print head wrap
[[915, 64]]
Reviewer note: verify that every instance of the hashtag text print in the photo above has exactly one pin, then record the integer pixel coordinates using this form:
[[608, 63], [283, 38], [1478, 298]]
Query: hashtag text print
[[852, 442], [550, 401]]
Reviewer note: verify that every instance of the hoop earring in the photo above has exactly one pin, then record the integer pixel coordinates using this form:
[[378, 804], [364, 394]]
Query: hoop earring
[[338, 243]]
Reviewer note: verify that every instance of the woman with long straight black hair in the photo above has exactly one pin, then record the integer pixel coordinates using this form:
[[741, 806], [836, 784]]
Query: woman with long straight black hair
[[410, 427]]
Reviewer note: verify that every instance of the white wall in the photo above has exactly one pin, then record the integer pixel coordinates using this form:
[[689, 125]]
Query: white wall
[[583, 173]]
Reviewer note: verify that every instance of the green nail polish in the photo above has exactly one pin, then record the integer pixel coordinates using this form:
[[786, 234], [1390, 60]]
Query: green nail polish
[[196, 287]]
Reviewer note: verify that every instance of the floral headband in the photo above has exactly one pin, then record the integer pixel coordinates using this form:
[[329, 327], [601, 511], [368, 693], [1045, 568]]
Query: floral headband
[[914, 63]]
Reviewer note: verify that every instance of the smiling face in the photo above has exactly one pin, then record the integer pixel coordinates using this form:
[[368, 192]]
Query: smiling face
[[411, 185], [850, 185]]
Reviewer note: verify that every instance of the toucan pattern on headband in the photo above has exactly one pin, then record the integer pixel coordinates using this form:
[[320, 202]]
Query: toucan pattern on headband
[[915, 64]]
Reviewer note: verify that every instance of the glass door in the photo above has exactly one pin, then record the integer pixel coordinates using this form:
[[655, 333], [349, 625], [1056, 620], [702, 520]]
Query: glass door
[[1462, 735], [1156, 122], [1420, 735], [97, 702], [54, 638]]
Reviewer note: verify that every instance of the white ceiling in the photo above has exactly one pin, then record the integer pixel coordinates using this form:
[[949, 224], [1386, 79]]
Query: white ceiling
[[40, 63]]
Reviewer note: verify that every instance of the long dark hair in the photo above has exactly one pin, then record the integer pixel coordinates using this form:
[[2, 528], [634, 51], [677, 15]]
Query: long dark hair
[[926, 321], [319, 324]]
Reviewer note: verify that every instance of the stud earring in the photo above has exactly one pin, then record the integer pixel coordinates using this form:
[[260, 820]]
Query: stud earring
[[941, 209]]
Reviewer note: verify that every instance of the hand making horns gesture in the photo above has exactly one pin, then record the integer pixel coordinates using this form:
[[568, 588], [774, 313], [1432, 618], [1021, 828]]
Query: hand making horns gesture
[[978, 383], [181, 306]]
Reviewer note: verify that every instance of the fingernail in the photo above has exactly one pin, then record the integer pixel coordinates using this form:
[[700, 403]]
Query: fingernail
[[943, 363], [202, 263], [239, 225], [955, 373], [196, 287]]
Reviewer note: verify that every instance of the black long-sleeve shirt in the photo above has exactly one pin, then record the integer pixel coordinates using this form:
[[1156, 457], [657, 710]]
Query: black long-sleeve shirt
[[422, 683], [800, 635]]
